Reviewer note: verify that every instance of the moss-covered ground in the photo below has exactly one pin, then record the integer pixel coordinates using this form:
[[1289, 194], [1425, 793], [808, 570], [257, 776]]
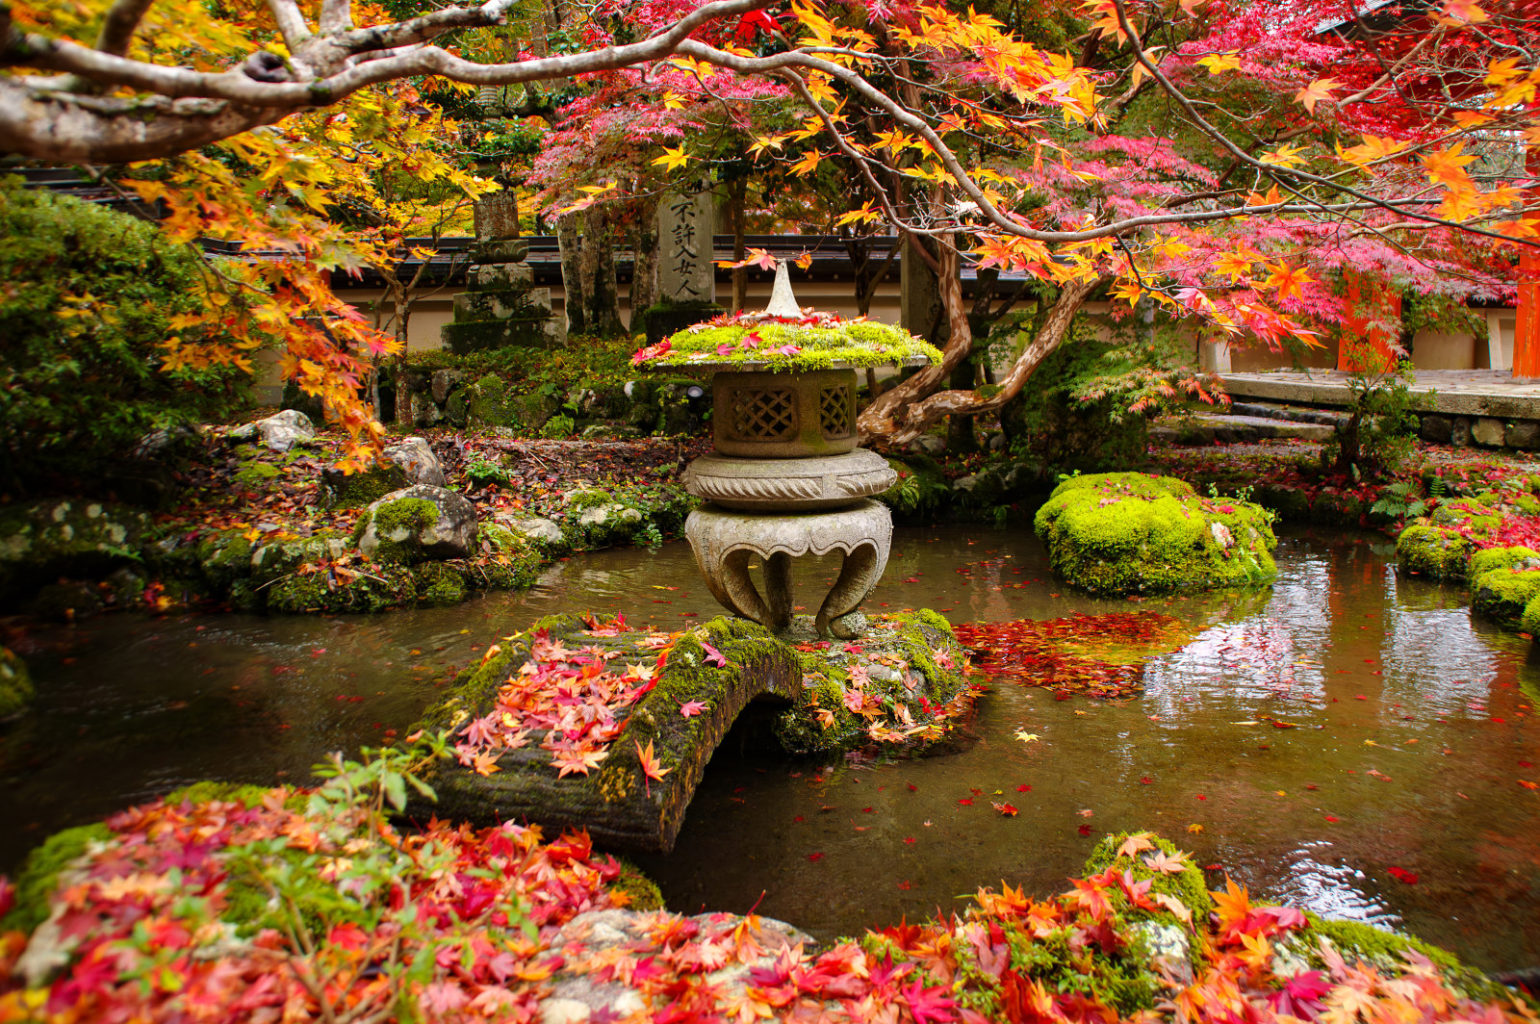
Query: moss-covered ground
[[255, 530]]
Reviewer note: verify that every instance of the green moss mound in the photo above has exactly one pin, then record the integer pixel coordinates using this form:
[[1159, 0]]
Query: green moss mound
[[1433, 551], [1386, 950], [40, 873], [1130, 533], [794, 347], [383, 585], [1502, 595]]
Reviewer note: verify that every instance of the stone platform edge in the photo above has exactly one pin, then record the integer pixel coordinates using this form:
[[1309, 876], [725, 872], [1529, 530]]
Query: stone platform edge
[[1446, 417]]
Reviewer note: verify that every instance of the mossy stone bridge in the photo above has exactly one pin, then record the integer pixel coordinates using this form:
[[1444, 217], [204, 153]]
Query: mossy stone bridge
[[618, 804]]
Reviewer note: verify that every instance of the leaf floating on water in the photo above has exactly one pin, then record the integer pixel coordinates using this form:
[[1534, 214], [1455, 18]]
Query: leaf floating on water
[[1027, 737], [1004, 809], [1097, 656]]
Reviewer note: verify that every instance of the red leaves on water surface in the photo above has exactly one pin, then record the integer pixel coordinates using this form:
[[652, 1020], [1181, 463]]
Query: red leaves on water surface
[[1097, 656], [1402, 875]]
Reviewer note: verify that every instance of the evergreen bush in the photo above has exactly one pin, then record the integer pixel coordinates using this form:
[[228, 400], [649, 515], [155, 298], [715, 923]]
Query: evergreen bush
[[86, 298]]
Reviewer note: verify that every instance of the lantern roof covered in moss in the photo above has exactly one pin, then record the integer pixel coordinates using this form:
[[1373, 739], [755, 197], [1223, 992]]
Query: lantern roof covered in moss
[[764, 342], [786, 338]]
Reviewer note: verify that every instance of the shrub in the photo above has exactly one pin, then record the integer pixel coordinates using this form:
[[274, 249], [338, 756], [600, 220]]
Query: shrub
[[88, 298]]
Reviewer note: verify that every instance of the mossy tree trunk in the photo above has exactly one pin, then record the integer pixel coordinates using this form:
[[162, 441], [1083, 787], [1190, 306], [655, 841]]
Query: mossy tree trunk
[[645, 251], [737, 194], [571, 245], [596, 271]]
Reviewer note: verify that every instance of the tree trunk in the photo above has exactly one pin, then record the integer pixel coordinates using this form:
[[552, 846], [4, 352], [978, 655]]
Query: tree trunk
[[571, 246], [960, 438], [905, 412], [737, 192], [599, 280], [644, 261]]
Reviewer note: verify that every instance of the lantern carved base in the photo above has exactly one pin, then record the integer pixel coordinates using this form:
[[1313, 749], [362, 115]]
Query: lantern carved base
[[726, 543]]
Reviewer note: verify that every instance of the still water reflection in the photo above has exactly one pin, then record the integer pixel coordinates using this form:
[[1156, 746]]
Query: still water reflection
[[1310, 738]]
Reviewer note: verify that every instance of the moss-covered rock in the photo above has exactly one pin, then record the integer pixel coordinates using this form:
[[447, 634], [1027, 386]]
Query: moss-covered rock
[[15, 683], [488, 403], [440, 584], [1487, 559], [358, 489], [40, 873], [223, 558], [280, 558], [418, 523], [254, 473], [1124, 533], [77, 539], [1433, 551], [1502, 594], [373, 588], [1381, 948]]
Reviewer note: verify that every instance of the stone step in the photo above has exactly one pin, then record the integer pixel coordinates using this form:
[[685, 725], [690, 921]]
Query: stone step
[[1228, 428], [1295, 413]]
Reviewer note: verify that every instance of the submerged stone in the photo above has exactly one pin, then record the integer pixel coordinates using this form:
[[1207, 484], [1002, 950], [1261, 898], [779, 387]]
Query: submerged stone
[[1129, 533]]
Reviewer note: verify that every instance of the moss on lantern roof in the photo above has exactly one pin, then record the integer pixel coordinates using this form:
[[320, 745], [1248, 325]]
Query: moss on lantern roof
[[817, 341]]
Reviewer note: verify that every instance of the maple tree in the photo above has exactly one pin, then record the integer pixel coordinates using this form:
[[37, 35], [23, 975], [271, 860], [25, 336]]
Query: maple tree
[[1219, 160]]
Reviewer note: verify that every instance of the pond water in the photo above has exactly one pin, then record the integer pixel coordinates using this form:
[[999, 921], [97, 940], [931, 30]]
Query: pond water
[[1348, 740]]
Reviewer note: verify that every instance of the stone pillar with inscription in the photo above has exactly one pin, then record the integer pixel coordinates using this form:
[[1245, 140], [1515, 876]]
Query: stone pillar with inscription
[[501, 305], [687, 291]]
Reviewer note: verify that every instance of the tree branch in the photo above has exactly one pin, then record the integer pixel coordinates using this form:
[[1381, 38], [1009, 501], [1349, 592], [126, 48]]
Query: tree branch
[[291, 23], [39, 119], [121, 24]]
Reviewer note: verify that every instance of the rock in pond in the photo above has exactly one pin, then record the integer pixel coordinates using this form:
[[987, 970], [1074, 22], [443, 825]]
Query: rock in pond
[[279, 432], [15, 684], [624, 759], [535, 529], [1133, 533], [418, 524]]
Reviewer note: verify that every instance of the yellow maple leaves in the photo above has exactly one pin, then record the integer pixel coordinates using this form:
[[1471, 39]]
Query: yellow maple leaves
[[672, 159], [1218, 63], [1315, 92]]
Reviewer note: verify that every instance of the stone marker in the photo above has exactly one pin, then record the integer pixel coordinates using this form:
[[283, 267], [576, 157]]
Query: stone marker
[[686, 224], [687, 289]]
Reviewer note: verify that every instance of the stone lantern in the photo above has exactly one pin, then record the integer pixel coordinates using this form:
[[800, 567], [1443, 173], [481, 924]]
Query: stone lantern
[[787, 478]]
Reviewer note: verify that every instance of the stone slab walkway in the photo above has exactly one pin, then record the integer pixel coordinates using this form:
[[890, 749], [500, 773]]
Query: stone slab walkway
[[1207, 428], [1495, 393]]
